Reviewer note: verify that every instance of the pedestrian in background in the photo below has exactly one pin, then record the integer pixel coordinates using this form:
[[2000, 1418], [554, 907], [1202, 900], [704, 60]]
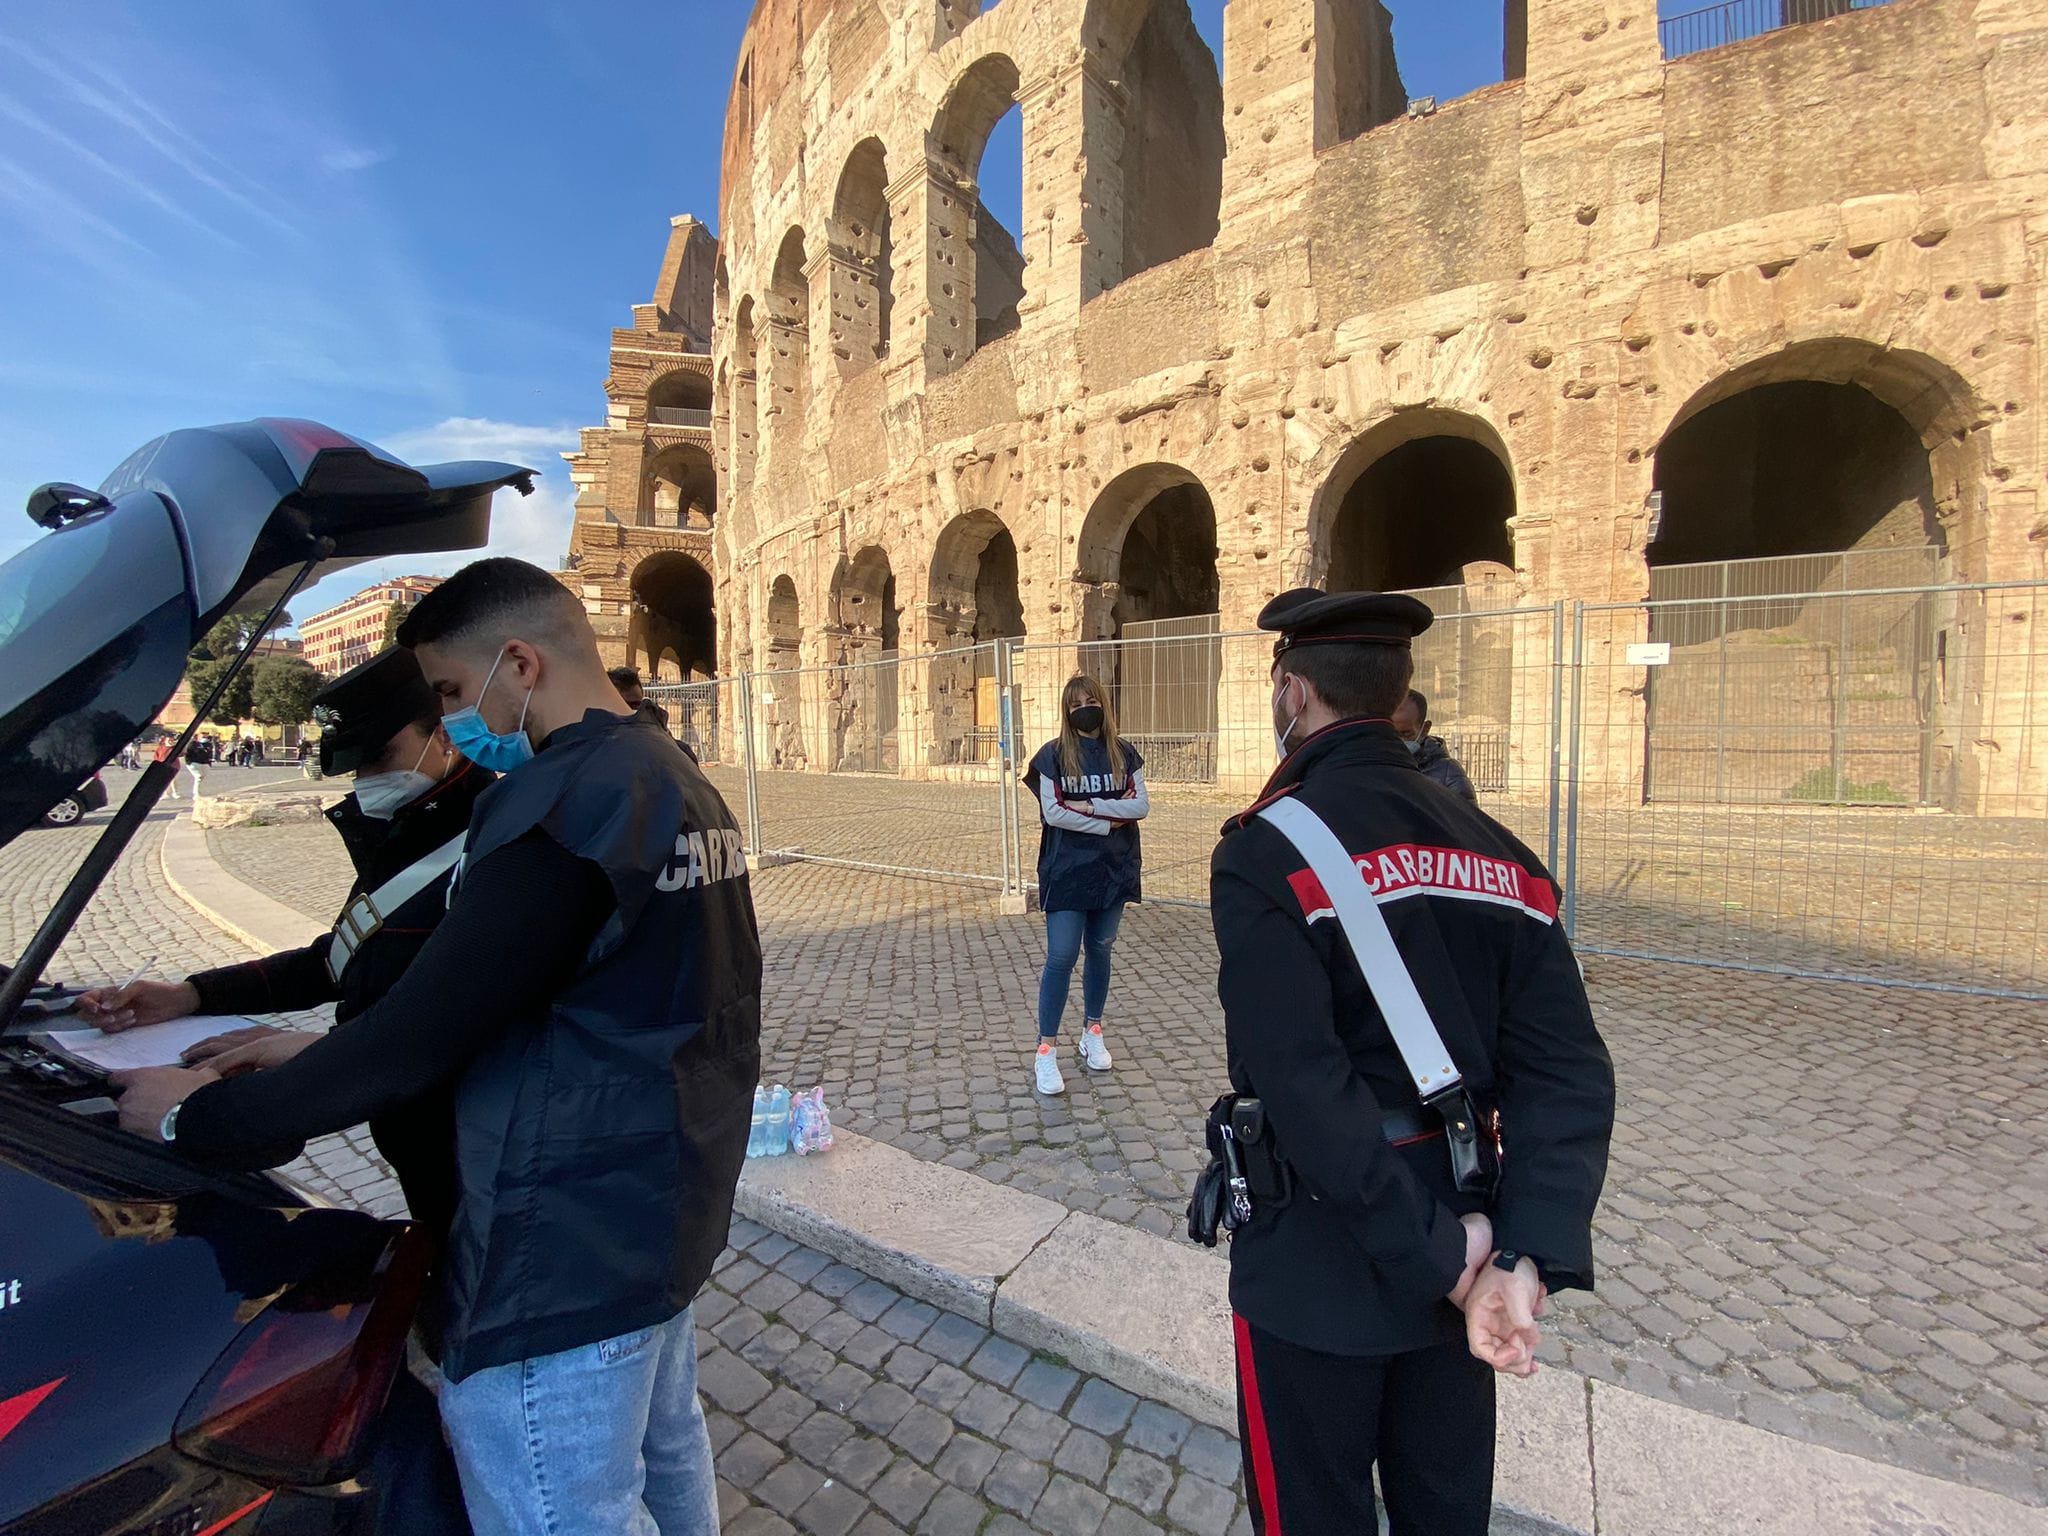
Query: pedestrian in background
[[1090, 785], [1411, 724]]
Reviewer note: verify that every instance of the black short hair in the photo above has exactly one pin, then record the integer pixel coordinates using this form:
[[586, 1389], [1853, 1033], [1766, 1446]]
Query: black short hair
[[1415, 697], [497, 600], [625, 677], [1354, 680]]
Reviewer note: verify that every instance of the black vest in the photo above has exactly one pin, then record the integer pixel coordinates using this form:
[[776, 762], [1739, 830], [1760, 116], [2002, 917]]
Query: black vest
[[1086, 871], [598, 1148]]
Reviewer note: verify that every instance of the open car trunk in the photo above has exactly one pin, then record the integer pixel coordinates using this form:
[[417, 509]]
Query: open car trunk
[[96, 617]]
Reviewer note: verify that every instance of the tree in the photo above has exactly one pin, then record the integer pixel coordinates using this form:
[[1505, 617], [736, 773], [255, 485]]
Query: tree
[[393, 617], [211, 656], [282, 690]]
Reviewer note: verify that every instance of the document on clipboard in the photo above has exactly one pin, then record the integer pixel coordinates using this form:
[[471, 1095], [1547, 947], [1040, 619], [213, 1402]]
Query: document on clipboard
[[147, 1045]]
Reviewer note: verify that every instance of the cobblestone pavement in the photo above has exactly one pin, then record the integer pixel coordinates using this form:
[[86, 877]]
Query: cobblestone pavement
[[1890, 893], [1824, 1215]]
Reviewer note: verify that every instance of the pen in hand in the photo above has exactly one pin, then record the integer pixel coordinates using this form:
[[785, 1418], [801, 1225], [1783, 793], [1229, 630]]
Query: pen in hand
[[137, 974]]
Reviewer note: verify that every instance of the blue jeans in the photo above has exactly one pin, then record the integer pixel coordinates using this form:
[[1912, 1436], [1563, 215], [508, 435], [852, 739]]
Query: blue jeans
[[604, 1440], [1066, 934]]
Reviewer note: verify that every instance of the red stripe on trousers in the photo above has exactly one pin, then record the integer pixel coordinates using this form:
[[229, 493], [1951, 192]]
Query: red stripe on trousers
[[1255, 1426]]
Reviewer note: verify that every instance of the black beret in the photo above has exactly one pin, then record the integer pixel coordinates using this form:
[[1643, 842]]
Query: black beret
[[1308, 617], [361, 710]]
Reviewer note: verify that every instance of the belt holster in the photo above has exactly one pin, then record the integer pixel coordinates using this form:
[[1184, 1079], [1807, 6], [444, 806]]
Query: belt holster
[[1473, 1135], [1247, 1172]]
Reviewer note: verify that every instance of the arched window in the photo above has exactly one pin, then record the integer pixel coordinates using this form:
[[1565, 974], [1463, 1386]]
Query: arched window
[[974, 267], [1155, 148], [789, 337], [673, 616], [862, 260]]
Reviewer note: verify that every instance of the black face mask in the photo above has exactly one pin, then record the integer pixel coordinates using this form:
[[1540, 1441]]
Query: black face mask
[[1085, 719]]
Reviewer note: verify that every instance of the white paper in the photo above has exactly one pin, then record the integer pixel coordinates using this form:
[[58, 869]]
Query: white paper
[[148, 1045], [1656, 654]]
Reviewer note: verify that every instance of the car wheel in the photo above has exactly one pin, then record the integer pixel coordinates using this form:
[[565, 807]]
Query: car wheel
[[65, 811]]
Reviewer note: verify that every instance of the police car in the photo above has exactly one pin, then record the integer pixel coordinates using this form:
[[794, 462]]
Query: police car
[[185, 1353]]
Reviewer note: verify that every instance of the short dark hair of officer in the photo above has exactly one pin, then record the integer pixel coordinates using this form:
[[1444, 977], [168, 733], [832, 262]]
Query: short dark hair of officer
[[627, 681], [508, 638], [375, 714], [482, 604], [1351, 648]]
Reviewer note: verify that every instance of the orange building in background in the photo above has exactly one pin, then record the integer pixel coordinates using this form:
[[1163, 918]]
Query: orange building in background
[[353, 631]]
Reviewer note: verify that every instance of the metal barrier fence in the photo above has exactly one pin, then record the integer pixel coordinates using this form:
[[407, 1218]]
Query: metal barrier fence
[[1841, 784], [1716, 26]]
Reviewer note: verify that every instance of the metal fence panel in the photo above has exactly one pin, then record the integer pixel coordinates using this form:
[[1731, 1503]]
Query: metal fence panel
[[1840, 784], [1736, 21], [889, 764], [1832, 782], [1198, 706]]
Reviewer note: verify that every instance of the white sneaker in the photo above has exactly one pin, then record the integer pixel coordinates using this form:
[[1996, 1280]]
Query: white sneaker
[[1094, 1054], [1048, 1069]]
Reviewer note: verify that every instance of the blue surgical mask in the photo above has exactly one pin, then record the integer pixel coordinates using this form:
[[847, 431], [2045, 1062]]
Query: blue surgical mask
[[1414, 747], [493, 751]]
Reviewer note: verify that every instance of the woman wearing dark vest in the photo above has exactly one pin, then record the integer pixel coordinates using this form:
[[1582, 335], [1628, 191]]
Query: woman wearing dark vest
[[1091, 796]]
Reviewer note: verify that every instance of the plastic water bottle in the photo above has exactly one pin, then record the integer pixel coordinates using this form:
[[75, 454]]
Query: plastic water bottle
[[757, 1131], [777, 1130]]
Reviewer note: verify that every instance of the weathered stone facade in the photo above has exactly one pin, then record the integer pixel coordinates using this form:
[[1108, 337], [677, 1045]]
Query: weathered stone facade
[[1272, 324], [640, 555]]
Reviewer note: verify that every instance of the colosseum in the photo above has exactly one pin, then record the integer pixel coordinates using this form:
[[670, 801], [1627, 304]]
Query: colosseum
[[1660, 315]]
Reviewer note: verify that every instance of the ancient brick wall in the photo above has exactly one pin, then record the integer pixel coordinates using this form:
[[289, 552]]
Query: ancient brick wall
[[1562, 268]]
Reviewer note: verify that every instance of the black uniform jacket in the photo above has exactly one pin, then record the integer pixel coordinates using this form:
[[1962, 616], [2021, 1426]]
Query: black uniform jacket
[[599, 1141], [1360, 1261], [417, 1138]]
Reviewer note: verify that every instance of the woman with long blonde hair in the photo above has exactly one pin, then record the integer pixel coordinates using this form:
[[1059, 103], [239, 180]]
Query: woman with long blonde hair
[[1090, 784]]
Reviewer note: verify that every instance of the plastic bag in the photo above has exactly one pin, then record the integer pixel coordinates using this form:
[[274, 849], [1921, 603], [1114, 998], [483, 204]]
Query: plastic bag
[[810, 1124]]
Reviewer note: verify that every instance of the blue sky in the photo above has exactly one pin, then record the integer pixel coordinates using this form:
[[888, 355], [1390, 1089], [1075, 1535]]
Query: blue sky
[[416, 222]]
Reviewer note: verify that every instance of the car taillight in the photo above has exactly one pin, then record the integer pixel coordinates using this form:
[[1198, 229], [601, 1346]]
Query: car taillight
[[330, 463], [293, 1399]]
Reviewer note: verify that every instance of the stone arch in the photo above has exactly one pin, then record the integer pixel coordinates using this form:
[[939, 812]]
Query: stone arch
[[782, 701], [862, 257], [673, 614], [788, 338], [1147, 551], [680, 389], [1821, 446], [679, 489], [1837, 465], [1150, 594], [972, 593], [861, 692], [745, 397], [974, 269], [972, 598], [1417, 501], [1154, 147]]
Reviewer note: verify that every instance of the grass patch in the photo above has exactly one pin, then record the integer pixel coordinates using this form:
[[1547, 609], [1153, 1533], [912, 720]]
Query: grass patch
[[1824, 786]]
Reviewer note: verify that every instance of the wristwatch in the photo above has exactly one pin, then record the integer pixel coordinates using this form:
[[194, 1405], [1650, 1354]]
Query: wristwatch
[[1507, 1258], [167, 1129]]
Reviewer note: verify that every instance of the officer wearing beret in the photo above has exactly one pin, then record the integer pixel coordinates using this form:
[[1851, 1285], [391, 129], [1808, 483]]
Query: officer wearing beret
[[403, 827], [1378, 1296]]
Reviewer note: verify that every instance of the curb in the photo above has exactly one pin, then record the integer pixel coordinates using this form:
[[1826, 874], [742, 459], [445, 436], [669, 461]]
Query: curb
[[245, 914], [1152, 1316]]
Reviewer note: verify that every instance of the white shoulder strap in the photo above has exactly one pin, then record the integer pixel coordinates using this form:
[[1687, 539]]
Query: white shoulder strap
[[365, 915], [1386, 973]]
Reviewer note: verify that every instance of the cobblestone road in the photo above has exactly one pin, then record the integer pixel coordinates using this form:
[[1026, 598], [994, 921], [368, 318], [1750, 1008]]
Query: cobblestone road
[[1825, 1212], [837, 1406], [1888, 893]]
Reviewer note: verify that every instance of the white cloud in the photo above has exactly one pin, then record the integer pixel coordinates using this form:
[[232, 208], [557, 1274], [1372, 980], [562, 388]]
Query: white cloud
[[346, 159]]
